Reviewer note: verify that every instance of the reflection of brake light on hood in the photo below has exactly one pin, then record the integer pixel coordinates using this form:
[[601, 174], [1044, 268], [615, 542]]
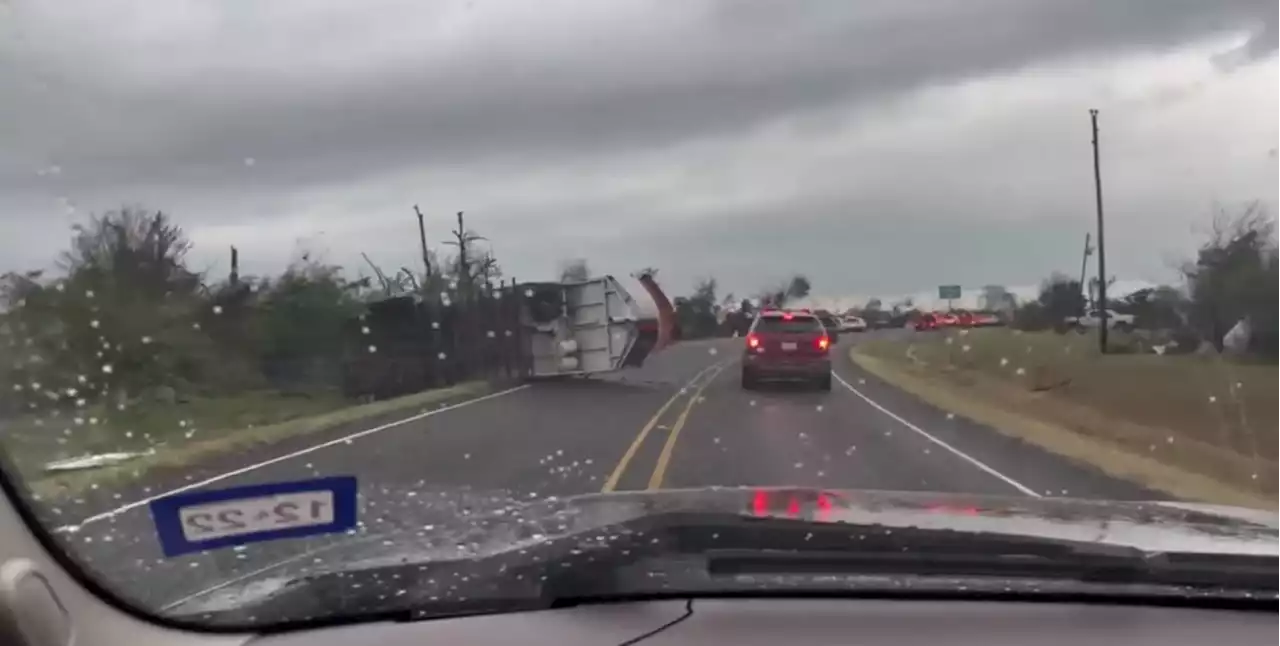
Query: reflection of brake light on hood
[[832, 506], [792, 504]]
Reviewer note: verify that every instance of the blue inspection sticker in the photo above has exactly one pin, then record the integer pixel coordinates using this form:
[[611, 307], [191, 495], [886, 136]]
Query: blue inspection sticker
[[206, 520]]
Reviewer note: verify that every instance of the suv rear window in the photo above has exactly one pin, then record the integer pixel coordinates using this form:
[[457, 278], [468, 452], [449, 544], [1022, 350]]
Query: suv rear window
[[798, 324]]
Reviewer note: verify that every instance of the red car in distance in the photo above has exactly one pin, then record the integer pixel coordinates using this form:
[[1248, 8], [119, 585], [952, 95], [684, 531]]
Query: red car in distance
[[927, 321]]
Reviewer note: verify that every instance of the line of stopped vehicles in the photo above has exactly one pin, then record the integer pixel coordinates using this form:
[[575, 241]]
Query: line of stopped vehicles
[[795, 344]]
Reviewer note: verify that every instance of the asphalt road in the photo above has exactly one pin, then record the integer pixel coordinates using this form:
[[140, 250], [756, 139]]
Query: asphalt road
[[680, 421]]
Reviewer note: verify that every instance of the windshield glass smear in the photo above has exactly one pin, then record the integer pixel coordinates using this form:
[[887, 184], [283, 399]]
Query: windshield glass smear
[[570, 299]]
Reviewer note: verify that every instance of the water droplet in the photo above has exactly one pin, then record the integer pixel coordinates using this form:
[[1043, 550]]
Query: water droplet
[[146, 340], [751, 403], [713, 352], [373, 349], [217, 309], [441, 356], [1004, 361], [819, 408], [799, 465], [951, 415], [1212, 399], [1020, 371], [965, 348], [94, 324]]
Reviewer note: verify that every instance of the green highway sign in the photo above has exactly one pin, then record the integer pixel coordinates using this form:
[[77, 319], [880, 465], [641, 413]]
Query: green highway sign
[[949, 292]]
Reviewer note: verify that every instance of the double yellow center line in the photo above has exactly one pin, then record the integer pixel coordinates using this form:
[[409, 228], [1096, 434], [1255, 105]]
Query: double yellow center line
[[694, 390]]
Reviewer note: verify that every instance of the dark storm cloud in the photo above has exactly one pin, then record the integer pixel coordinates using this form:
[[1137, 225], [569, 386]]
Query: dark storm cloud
[[720, 67], [260, 120]]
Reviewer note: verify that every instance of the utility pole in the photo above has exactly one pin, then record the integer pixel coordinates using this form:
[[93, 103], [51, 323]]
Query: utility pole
[[235, 266], [422, 238], [1085, 293], [1102, 249]]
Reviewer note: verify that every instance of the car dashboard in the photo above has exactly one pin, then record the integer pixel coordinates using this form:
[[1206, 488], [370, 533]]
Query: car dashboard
[[748, 622]]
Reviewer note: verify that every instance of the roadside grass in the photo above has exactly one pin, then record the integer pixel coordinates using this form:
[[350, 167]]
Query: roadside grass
[[187, 434], [1203, 427]]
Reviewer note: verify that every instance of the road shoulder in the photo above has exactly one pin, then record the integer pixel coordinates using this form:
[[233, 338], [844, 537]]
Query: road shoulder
[[198, 460], [992, 406]]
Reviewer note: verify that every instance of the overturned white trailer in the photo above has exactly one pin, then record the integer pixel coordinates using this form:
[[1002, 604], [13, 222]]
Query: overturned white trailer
[[589, 327]]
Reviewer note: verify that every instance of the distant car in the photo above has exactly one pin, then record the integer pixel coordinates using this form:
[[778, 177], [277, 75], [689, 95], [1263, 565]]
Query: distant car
[[926, 321], [832, 325], [853, 324], [947, 319], [985, 319], [787, 345], [1093, 319]]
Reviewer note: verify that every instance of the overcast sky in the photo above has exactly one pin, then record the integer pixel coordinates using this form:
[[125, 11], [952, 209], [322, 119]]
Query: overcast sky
[[880, 146]]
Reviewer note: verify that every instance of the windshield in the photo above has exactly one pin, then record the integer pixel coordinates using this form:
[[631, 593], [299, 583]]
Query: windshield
[[292, 288]]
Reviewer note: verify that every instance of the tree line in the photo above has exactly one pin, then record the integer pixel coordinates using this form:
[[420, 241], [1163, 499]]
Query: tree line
[[1231, 283], [123, 316]]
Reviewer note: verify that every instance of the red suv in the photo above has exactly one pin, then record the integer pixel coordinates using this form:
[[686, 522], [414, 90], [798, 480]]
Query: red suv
[[789, 346]]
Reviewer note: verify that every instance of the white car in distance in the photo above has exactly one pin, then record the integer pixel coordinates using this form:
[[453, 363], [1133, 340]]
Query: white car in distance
[[852, 324], [1093, 319]]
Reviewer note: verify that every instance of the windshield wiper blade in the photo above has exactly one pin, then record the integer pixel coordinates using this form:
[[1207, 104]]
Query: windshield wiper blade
[[736, 562], [747, 545]]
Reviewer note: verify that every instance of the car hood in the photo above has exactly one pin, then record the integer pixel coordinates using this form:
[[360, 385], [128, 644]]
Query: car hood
[[494, 523]]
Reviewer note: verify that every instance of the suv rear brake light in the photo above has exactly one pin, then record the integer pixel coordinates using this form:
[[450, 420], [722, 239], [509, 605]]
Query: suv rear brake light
[[753, 341], [823, 343]]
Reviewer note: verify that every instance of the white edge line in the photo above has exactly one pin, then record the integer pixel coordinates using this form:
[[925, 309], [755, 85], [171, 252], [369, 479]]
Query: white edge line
[[957, 452], [288, 456]]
